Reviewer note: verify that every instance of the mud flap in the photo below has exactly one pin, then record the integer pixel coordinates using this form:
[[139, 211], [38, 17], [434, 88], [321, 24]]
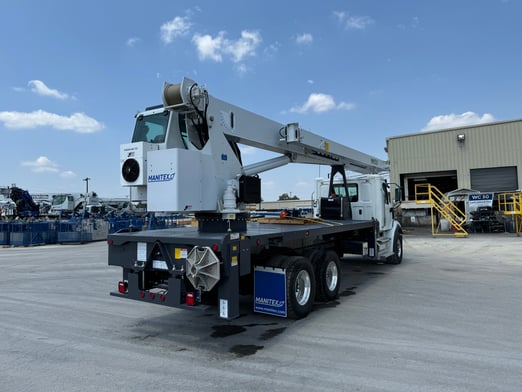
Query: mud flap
[[270, 291]]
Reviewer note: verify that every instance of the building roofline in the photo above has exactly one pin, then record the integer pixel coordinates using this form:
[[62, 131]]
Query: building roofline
[[419, 133]]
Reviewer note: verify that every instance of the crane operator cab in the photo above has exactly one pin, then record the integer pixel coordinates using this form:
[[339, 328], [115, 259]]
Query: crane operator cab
[[175, 164], [151, 129]]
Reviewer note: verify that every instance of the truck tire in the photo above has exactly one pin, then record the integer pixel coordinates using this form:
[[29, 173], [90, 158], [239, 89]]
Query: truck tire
[[300, 286], [328, 277], [396, 258]]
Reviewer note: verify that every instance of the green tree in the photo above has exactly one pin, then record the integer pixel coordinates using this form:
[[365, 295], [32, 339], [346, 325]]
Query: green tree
[[286, 196]]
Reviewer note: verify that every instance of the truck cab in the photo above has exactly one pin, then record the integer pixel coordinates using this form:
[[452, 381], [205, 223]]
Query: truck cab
[[369, 197]]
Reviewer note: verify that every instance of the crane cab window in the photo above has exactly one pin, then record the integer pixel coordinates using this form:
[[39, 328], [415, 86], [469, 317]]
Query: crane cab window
[[151, 128], [353, 191]]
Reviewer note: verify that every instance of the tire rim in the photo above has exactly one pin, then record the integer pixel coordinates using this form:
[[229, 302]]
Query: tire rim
[[303, 287], [332, 276]]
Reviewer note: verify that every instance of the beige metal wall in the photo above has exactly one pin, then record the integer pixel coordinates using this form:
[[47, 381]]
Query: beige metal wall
[[490, 145]]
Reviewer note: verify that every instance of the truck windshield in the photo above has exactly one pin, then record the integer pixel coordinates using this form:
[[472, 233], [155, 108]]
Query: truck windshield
[[152, 128]]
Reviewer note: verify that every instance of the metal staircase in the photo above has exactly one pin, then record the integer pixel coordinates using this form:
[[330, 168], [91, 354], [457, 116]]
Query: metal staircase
[[510, 203], [429, 194]]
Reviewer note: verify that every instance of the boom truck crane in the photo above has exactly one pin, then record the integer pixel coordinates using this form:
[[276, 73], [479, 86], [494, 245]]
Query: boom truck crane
[[184, 157]]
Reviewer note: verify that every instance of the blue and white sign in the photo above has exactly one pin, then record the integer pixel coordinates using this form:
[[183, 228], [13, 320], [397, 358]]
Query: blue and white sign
[[481, 199], [270, 291]]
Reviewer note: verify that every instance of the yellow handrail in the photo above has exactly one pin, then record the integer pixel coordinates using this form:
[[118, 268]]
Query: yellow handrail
[[429, 194], [510, 203]]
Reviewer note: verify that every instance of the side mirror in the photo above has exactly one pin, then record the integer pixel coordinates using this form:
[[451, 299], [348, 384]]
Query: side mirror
[[398, 195]]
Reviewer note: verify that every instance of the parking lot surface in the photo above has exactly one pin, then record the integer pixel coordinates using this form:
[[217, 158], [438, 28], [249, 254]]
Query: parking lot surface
[[449, 318]]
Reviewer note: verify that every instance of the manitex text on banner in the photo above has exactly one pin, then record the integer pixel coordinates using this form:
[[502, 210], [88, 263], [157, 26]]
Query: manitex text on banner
[[270, 291]]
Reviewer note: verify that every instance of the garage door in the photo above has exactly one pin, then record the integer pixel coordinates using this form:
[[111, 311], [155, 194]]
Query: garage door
[[494, 179]]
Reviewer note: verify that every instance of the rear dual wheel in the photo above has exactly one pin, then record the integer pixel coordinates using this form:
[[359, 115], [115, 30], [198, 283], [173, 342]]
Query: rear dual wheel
[[327, 276], [307, 279], [300, 286]]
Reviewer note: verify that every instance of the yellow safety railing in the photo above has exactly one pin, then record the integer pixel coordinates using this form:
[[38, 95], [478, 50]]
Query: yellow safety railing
[[429, 194], [510, 203]]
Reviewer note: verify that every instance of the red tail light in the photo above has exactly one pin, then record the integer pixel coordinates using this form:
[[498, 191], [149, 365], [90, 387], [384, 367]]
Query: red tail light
[[189, 299], [122, 287]]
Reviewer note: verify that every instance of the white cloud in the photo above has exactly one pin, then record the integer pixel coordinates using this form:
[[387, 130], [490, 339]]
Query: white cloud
[[214, 48], [39, 87], [78, 122], [413, 24], [359, 22], [310, 81], [244, 46], [320, 103], [241, 69], [133, 41], [446, 121], [209, 47], [304, 39], [345, 106], [353, 22], [67, 174], [272, 49], [41, 164], [175, 28]]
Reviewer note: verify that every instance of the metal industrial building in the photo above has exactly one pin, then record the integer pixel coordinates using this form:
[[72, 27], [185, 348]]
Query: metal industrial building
[[483, 158]]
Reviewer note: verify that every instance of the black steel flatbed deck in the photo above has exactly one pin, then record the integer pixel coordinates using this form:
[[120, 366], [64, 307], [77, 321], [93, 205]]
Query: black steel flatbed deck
[[254, 230]]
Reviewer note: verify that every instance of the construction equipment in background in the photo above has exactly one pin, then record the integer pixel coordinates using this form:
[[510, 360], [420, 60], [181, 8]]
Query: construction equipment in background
[[25, 205], [484, 220]]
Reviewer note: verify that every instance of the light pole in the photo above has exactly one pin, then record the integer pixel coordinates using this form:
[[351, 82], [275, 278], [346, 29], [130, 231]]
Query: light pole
[[86, 179]]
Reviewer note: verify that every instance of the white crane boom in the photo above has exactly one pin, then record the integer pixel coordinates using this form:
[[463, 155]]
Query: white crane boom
[[191, 161]]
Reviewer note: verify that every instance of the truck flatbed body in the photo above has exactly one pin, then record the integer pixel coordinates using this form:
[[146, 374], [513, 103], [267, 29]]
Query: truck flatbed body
[[157, 263], [254, 230]]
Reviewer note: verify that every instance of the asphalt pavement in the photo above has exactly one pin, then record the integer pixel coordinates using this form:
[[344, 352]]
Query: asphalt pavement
[[449, 318]]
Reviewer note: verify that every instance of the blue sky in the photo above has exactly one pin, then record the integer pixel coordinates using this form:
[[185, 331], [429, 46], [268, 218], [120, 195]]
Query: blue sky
[[73, 74]]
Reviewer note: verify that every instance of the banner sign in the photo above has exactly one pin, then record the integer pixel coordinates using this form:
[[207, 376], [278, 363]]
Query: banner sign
[[481, 200], [270, 291]]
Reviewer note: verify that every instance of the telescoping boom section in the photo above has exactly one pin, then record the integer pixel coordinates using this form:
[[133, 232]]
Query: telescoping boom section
[[184, 157]]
